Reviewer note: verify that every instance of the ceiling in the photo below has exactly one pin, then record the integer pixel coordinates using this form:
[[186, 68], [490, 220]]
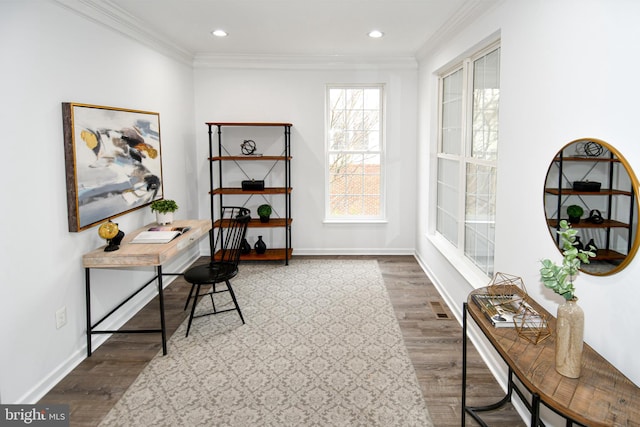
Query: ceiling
[[286, 27]]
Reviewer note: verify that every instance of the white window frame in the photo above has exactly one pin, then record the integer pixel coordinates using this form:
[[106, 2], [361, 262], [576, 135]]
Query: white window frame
[[381, 217], [455, 252]]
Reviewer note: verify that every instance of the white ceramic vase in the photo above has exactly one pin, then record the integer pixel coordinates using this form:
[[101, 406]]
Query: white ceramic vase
[[569, 339], [164, 218]]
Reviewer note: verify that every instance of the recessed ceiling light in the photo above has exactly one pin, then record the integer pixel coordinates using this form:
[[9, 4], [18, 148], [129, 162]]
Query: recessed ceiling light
[[376, 34], [219, 33]]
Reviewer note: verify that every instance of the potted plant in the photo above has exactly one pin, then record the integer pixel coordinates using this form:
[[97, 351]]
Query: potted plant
[[264, 212], [164, 209], [575, 212], [570, 317]]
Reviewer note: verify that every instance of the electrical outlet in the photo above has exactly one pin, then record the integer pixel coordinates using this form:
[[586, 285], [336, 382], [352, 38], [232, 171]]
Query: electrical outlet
[[61, 317]]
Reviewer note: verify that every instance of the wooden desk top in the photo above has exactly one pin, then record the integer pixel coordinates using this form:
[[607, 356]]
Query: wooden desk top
[[150, 254], [602, 396]]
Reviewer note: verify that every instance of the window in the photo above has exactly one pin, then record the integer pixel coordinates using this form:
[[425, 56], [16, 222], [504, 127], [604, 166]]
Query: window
[[467, 157], [354, 156]]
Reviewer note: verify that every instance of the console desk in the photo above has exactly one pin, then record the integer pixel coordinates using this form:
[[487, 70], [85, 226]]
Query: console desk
[[602, 396], [140, 255]]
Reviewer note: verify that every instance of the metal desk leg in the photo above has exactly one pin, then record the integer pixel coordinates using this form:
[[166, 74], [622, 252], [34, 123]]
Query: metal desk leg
[[472, 410], [535, 410], [87, 286], [464, 362], [162, 322]]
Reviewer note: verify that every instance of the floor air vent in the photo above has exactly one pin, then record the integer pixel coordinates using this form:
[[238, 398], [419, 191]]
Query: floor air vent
[[439, 310]]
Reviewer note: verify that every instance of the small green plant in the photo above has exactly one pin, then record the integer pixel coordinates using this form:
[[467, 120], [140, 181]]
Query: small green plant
[[575, 211], [264, 211], [163, 206], [559, 278]]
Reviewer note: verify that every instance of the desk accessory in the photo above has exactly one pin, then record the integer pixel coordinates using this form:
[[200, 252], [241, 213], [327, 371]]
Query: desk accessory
[[253, 185], [112, 234]]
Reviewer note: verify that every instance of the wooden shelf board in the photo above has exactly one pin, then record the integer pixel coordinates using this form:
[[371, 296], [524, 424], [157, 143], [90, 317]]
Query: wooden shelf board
[[249, 158], [256, 223], [247, 124], [275, 254], [238, 190], [587, 159], [608, 255], [571, 192], [584, 224]]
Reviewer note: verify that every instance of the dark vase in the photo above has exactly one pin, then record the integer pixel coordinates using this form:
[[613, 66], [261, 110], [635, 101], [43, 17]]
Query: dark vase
[[578, 243], [264, 219], [245, 247], [260, 246], [592, 246]]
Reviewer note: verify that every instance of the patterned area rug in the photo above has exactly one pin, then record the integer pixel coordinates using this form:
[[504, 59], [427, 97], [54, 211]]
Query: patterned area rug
[[321, 347]]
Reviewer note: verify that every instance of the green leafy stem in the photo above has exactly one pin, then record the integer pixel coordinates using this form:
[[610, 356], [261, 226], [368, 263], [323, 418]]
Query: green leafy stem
[[559, 278]]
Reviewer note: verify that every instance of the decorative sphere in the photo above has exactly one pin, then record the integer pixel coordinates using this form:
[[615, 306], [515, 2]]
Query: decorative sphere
[[108, 230], [248, 147]]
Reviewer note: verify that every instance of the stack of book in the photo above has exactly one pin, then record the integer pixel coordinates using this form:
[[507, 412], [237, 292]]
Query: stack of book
[[160, 234], [508, 311]]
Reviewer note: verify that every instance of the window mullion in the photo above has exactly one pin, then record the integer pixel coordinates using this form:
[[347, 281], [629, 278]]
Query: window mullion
[[465, 150]]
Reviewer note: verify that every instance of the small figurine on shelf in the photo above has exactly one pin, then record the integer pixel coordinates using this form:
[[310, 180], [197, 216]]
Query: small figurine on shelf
[[245, 247], [264, 212], [260, 246], [248, 147]]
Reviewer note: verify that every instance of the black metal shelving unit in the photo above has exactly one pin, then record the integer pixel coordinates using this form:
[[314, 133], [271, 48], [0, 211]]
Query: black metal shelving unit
[[216, 139]]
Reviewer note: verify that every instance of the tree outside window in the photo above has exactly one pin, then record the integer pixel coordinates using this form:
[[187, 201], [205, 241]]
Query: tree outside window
[[354, 152]]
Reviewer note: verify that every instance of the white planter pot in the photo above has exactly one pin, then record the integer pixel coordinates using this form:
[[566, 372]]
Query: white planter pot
[[164, 218]]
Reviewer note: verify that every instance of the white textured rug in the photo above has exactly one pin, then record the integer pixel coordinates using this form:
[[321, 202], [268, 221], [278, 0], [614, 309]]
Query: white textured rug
[[321, 347]]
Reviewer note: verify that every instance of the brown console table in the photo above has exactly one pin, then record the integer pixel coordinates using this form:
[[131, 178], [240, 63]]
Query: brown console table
[[140, 255], [602, 396]]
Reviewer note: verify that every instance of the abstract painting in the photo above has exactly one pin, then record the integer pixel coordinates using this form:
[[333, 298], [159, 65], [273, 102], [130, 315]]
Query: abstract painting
[[113, 162]]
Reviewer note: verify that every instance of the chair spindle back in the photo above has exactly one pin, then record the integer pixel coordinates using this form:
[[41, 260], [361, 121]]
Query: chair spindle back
[[234, 223]]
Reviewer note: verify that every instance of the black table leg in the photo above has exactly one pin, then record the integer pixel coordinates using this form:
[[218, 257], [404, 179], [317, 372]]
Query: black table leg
[[87, 286], [535, 410], [162, 322], [464, 362]]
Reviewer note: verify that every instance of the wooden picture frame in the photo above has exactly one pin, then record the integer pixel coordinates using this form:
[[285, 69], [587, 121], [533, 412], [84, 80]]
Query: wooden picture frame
[[113, 162]]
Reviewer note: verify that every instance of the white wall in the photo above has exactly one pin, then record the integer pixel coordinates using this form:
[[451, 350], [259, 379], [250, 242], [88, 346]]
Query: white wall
[[49, 56], [61, 56], [297, 96], [567, 72]]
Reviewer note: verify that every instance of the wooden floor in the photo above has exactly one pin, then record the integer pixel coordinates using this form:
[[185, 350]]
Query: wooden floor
[[432, 335]]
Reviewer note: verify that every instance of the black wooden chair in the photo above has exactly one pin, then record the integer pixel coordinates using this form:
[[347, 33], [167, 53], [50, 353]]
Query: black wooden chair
[[225, 255]]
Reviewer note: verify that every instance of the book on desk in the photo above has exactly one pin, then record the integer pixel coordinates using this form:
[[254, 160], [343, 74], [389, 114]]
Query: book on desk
[[501, 310], [160, 234]]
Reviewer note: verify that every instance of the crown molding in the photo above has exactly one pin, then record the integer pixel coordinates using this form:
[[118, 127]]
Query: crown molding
[[108, 14], [303, 62], [465, 15]]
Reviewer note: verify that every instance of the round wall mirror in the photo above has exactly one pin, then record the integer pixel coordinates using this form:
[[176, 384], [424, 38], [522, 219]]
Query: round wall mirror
[[590, 184]]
